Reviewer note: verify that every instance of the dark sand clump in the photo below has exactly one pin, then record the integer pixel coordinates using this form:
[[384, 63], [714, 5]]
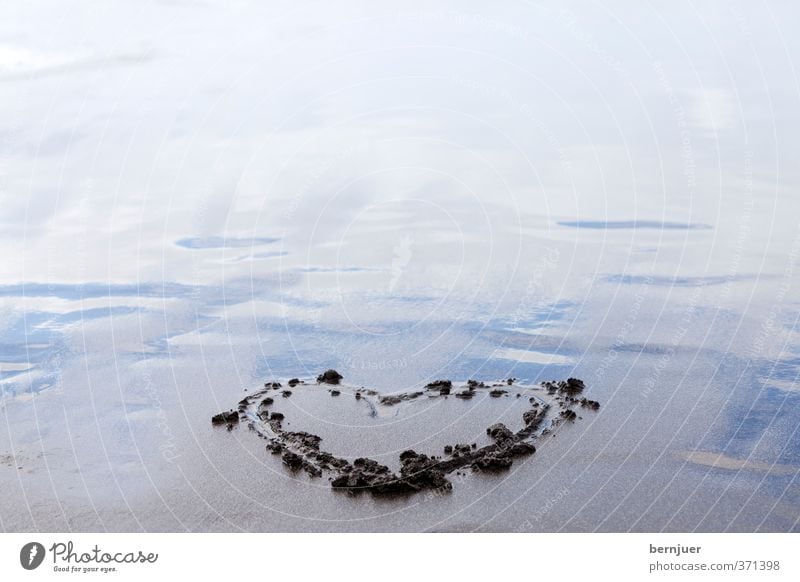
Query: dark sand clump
[[329, 377]]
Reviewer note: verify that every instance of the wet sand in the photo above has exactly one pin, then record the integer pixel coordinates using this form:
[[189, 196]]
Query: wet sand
[[404, 196]]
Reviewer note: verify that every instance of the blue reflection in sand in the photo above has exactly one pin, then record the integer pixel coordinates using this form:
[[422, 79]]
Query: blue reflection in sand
[[223, 242], [633, 225], [89, 290], [702, 281], [342, 269]]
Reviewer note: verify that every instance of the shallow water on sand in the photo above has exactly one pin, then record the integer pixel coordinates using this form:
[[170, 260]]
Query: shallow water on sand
[[402, 196]]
